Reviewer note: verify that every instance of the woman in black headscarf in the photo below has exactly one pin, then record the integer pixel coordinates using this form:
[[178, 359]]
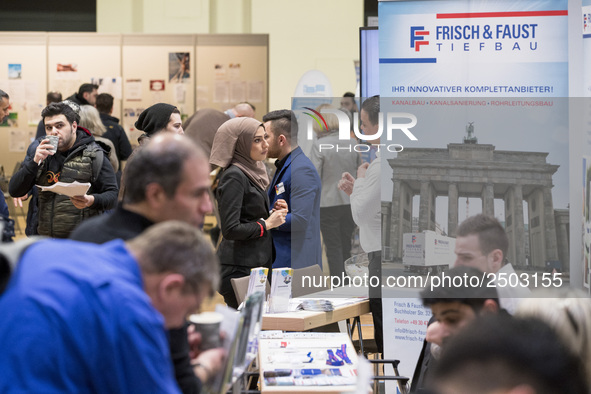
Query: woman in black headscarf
[[239, 148], [159, 117]]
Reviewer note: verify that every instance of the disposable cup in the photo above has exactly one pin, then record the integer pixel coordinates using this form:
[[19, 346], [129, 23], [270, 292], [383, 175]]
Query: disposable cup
[[208, 324], [53, 140]]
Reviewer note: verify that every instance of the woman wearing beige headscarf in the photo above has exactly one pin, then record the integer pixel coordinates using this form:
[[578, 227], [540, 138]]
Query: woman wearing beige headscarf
[[239, 148]]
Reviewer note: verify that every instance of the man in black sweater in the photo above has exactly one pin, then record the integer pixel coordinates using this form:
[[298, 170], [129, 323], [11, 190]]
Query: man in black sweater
[[86, 94], [168, 179], [115, 133]]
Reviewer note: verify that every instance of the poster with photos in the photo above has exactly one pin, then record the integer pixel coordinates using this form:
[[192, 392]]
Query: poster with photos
[[15, 71], [179, 67]]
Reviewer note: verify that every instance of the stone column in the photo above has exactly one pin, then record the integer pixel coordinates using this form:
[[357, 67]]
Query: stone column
[[562, 237], [452, 209], [424, 205], [386, 220], [518, 225], [537, 243], [488, 200], [396, 221], [549, 225]]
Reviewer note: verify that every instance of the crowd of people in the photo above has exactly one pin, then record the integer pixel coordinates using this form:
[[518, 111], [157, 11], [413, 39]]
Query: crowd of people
[[101, 304]]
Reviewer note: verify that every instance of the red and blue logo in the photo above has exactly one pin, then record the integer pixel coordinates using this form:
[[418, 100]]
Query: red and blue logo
[[417, 37]]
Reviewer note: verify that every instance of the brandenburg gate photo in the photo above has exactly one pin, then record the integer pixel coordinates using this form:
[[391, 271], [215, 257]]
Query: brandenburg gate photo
[[473, 170]]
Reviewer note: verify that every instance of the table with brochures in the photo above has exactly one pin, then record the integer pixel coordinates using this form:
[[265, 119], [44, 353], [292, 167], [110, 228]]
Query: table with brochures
[[307, 362]]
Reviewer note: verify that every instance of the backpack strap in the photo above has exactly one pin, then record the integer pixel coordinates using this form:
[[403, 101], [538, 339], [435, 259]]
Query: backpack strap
[[10, 254]]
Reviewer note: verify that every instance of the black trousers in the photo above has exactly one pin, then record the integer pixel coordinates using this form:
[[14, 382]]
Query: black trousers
[[228, 272], [337, 226], [375, 298]]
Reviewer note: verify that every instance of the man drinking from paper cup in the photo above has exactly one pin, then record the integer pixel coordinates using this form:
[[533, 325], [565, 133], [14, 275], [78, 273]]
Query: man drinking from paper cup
[[78, 158]]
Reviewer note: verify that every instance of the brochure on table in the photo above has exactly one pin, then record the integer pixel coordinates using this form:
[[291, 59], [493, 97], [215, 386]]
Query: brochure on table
[[280, 290], [307, 359]]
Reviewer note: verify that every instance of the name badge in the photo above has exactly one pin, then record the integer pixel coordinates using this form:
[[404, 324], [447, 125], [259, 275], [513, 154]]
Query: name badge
[[279, 188]]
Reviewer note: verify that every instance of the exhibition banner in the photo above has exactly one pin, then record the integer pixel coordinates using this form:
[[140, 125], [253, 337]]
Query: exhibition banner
[[492, 48], [486, 82]]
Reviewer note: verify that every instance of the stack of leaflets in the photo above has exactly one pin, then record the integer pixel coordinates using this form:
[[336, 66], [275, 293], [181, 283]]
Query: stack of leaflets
[[257, 282], [280, 290], [316, 306]]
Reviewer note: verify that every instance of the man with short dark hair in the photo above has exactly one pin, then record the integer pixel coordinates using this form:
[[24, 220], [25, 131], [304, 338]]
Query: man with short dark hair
[[78, 159], [115, 133], [86, 94], [455, 303], [52, 97], [501, 355], [85, 318], [457, 297], [481, 242], [167, 179], [296, 184], [348, 102]]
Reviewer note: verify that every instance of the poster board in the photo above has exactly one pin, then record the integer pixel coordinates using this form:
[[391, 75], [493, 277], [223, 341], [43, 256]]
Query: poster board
[[232, 69], [111, 60], [152, 74], [23, 75], [74, 59]]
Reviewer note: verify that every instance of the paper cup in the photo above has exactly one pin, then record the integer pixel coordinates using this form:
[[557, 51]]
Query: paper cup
[[208, 324], [53, 140]]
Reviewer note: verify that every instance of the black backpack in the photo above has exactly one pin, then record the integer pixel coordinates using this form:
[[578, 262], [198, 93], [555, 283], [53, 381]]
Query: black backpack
[[6, 229]]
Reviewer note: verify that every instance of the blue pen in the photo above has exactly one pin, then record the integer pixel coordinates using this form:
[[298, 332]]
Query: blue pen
[[310, 371]]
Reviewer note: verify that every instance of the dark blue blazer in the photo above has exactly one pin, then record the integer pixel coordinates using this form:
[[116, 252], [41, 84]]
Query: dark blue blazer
[[297, 241]]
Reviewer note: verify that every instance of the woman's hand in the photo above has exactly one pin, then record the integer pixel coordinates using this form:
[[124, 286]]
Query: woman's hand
[[276, 219]]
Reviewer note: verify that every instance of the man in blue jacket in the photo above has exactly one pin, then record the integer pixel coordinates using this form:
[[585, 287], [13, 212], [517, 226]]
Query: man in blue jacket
[[82, 318], [296, 181]]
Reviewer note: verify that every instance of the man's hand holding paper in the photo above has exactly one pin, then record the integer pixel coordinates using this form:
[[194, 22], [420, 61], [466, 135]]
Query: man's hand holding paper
[[82, 202]]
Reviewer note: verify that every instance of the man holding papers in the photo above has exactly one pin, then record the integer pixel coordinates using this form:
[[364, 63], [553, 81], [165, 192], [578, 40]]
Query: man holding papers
[[77, 158]]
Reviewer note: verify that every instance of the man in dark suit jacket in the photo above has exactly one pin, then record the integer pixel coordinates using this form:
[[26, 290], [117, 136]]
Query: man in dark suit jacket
[[297, 241]]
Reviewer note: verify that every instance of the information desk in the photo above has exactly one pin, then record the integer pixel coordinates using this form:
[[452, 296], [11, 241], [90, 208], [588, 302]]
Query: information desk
[[297, 362]]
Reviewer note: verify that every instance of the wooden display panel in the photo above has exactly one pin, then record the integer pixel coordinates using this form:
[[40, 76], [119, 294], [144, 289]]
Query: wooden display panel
[[146, 64], [232, 69], [27, 93]]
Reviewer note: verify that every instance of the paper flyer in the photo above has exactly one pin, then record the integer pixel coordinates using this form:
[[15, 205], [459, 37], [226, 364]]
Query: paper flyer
[[280, 290], [67, 189], [257, 281]]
